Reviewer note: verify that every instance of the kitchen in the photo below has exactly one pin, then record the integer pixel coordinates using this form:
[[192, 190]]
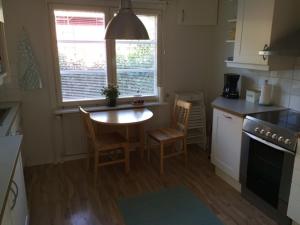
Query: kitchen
[[197, 43]]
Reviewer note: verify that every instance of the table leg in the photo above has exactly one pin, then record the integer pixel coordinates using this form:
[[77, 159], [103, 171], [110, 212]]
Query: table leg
[[127, 133], [142, 139]]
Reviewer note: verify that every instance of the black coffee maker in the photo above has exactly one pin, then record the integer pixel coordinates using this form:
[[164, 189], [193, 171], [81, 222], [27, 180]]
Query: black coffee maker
[[231, 85]]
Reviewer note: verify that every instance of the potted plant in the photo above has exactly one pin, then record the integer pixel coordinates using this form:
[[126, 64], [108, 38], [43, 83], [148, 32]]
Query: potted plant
[[111, 93]]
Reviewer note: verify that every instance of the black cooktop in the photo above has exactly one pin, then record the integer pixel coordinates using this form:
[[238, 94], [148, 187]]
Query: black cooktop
[[286, 118]]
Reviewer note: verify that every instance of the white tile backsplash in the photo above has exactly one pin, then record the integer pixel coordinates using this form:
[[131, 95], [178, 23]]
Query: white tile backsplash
[[295, 102], [284, 74], [296, 74], [286, 84], [295, 88]]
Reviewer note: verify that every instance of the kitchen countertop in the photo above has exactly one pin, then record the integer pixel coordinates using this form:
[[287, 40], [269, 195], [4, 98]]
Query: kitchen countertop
[[9, 151], [14, 107], [241, 107]]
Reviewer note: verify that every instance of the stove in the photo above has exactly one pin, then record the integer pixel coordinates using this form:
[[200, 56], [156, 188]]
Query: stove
[[281, 128], [269, 145]]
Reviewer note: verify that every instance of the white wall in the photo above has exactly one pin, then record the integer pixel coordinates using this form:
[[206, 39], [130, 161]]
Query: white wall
[[188, 65], [36, 105]]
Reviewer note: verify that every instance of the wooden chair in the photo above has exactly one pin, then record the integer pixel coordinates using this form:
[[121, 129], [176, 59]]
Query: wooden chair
[[177, 132], [104, 145]]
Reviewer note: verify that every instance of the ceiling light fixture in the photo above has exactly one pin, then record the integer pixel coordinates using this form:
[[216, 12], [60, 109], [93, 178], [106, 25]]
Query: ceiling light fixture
[[126, 25]]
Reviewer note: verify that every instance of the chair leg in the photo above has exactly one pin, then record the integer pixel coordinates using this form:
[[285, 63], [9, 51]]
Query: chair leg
[[127, 159], [96, 168], [161, 158], [88, 162], [142, 139], [88, 157], [185, 151], [148, 147]]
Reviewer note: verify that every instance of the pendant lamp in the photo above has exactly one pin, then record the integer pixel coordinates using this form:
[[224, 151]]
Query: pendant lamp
[[126, 25]]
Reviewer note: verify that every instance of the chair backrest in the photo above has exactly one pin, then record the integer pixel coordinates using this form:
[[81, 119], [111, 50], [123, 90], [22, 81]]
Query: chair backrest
[[181, 114], [88, 124]]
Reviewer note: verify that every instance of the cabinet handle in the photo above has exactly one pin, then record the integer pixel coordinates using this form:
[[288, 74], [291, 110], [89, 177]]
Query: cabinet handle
[[227, 117], [182, 16], [15, 193], [265, 48], [14, 202]]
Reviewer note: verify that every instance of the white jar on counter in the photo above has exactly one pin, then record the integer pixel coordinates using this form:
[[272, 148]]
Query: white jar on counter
[[266, 94]]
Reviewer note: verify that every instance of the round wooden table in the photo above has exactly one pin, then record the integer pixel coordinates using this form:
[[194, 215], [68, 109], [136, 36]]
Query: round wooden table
[[125, 117]]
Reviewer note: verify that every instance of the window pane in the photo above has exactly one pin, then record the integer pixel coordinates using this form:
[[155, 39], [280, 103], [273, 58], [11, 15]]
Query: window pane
[[137, 62], [82, 54]]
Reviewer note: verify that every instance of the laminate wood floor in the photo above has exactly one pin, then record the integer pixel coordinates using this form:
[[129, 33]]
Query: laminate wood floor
[[64, 194]]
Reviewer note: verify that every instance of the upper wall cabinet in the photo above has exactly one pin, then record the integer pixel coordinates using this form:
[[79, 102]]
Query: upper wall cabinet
[[259, 24], [1, 12], [197, 12], [4, 63]]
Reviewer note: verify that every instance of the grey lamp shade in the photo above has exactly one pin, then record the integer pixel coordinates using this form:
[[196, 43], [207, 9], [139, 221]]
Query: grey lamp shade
[[126, 25]]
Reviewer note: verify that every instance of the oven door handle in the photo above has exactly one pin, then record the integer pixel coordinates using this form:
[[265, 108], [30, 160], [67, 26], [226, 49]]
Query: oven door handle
[[269, 143]]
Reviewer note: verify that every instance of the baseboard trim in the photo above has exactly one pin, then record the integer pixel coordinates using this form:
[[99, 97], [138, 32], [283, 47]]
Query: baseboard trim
[[228, 179], [74, 157]]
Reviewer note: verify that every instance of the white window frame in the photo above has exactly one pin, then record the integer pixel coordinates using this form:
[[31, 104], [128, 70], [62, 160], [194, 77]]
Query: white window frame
[[110, 50]]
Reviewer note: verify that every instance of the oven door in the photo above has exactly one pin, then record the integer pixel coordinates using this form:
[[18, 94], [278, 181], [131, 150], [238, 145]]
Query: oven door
[[266, 174]]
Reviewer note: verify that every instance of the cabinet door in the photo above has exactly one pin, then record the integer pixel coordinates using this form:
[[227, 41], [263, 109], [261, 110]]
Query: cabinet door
[[15, 128], [197, 12], [1, 12], [294, 201], [7, 217], [226, 142], [19, 211], [253, 30]]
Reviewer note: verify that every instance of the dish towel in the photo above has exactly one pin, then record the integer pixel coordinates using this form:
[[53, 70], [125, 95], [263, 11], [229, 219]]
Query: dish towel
[[28, 71]]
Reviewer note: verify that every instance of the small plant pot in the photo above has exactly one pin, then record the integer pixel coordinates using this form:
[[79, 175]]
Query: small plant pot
[[111, 102]]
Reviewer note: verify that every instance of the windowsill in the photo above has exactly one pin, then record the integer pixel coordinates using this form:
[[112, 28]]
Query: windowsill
[[72, 110], [102, 101]]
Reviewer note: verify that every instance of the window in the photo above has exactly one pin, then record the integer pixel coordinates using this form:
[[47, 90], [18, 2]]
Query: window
[[136, 62], [81, 53], [83, 59]]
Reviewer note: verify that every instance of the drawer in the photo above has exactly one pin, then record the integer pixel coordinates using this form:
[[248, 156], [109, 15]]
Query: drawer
[[228, 116]]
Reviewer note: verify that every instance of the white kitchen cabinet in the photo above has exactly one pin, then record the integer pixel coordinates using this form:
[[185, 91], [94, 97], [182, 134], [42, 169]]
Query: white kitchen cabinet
[[1, 12], [15, 128], [20, 211], [226, 143], [7, 217], [259, 24], [4, 61], [16, 211], [197, 12], [294, 201]]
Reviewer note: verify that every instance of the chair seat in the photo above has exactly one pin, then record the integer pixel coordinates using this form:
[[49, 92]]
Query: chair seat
[[112, 140], [166, 134]]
